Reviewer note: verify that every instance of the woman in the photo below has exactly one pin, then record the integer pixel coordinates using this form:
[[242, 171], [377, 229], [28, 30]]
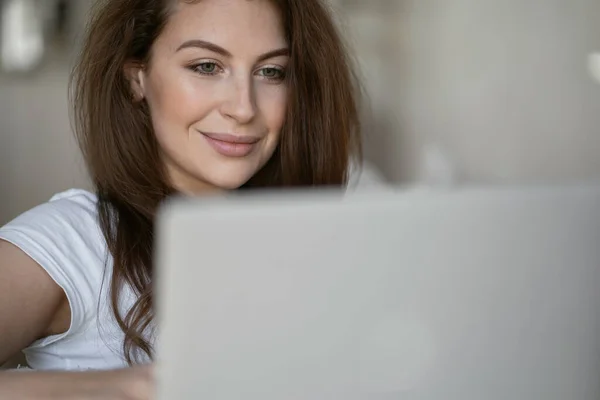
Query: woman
[[192, 97]]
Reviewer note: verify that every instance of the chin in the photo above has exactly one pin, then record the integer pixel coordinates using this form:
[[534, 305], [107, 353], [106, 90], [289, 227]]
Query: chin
[[230, 181]]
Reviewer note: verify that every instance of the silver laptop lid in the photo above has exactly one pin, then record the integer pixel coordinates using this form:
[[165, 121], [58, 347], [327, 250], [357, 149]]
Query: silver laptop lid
[[471, 294]]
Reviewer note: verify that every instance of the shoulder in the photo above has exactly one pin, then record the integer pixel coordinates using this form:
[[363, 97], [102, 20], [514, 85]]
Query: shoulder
[[69, 206], [75, 198], [64, 237], [66, 214]]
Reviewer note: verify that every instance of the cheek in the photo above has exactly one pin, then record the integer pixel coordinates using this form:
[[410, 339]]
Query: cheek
[[272, 102], [176, 104]]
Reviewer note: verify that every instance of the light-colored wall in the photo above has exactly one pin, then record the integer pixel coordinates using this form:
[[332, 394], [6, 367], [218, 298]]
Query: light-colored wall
[[500, 86], [38, 154]]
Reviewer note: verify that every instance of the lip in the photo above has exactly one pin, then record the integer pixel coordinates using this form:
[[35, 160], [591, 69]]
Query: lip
[[231, 145]]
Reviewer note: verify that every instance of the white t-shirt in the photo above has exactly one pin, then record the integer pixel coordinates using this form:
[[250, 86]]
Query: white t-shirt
[[64, 237]]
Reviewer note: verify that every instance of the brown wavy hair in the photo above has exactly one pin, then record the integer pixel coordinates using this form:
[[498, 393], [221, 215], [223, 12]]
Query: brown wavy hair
[[320, 135]]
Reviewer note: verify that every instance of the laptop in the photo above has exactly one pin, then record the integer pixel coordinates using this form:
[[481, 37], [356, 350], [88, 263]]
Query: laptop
[[470, 293]]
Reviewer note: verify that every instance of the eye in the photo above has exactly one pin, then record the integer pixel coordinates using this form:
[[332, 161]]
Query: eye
[[207, 68], [272, 73]]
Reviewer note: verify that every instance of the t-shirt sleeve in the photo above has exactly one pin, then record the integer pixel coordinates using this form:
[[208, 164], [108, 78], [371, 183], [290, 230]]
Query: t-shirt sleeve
[[60, 237]]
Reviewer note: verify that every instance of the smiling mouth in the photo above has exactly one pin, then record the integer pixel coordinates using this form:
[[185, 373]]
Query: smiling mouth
[[231, 145]]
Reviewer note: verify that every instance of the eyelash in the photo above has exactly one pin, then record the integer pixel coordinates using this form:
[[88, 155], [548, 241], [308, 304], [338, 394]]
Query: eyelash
[[197, 68]]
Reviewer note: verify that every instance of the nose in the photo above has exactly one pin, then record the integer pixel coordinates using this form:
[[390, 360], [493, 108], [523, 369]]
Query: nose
[[240, 103]]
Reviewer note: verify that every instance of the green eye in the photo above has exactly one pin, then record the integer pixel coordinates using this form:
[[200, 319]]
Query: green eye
[[272, 73], [207, 68]]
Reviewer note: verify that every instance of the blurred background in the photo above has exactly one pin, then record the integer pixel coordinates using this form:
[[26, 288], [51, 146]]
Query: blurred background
[[459, 92]]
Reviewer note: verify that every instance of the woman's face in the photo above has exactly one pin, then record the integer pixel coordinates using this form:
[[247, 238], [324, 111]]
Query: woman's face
[[216, 89]]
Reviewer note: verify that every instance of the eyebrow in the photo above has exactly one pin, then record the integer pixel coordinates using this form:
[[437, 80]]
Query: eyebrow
[[202, 44]]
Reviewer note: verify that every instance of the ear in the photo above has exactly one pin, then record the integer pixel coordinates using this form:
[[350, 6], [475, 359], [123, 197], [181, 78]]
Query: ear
[[134, 73]]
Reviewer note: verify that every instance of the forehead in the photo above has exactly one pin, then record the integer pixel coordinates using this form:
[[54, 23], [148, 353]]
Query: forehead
[[232, 24]]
